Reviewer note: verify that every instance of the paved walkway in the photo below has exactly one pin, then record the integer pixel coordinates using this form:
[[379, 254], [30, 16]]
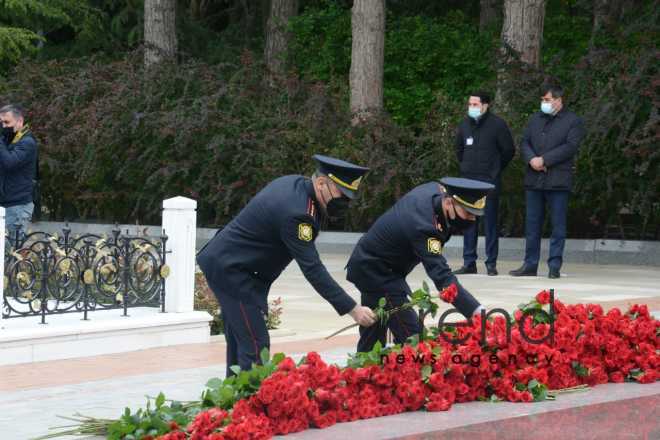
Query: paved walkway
[[32, 395]]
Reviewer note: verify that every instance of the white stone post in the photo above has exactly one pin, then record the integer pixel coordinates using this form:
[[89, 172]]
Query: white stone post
[[2, 259], [179, 224]]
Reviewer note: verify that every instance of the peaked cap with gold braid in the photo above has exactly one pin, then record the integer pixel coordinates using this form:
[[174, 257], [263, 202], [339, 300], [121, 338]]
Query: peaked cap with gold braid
[[470, 194], [345, 175]]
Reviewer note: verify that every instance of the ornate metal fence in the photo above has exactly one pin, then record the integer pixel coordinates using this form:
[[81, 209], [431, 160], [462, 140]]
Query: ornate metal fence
[[50, 274]]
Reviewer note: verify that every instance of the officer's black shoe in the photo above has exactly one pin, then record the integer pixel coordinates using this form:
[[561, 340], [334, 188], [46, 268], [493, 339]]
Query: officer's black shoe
[[554, 273], [464, 270], [491, 270], [523, 271]]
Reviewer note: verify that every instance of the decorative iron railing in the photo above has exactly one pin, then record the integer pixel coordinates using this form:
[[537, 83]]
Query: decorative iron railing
[[51, 274]]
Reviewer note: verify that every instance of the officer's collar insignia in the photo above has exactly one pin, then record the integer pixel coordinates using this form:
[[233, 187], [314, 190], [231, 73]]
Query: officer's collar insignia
[[305, 232], [479, 204], [19, 135], [434, 246]]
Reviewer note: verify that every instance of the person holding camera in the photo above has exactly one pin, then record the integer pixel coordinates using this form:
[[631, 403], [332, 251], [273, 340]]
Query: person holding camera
[[18, 168]]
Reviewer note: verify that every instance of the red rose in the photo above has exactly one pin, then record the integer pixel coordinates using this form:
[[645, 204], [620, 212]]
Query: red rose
[[287, 364], [266, 392], [518, 315], [648, 377], [449, 293], [616, 377], [543, 297]]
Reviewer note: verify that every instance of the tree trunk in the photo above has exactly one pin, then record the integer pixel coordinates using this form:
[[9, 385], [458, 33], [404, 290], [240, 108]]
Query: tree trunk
[[277, 37], [523, 29], [489, 12], [367, 57], [522, 33], [159, 31]]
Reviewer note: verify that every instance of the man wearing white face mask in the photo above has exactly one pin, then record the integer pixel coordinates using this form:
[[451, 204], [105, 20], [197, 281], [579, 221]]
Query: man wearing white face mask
[[484, 147], [549, 146]]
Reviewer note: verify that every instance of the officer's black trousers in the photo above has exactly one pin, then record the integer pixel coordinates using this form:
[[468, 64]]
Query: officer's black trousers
[[245, 331], [402, 324]]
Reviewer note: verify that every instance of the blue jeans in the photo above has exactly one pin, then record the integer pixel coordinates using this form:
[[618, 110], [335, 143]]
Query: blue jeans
[[18, 216], [470, 236], [557, 202]]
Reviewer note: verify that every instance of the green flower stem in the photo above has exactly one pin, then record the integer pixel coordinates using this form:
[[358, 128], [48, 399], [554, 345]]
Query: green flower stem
[[381, 313]]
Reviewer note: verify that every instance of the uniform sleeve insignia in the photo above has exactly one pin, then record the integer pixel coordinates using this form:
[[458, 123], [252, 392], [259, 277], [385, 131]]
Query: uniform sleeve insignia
[[305, 232], [434, 246]]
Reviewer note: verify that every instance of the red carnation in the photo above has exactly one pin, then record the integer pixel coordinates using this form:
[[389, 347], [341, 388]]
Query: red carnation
[[449, 293]]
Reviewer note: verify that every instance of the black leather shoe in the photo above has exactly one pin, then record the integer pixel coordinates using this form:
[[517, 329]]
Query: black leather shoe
[[491, 271], [523, 271], [554, 273], [465, 270]]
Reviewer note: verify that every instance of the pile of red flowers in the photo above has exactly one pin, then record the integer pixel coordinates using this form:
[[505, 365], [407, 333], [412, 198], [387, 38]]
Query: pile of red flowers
[[581, 345]]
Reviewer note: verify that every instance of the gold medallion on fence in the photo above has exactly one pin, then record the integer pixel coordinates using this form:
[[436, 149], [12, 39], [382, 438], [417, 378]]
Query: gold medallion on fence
[[27, 295], [165, 271], [434, 246], [88, 276], [65, 265], [23, 279]]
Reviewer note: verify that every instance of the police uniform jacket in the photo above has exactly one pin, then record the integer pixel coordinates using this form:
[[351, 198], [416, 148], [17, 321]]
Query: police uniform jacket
[[278, 225], [408, 233]]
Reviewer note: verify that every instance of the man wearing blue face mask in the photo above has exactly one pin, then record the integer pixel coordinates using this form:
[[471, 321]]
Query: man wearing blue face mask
[[484, 147], [549, 146]]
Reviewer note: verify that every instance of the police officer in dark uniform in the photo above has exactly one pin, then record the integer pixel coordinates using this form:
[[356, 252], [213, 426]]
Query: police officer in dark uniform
[[279, 224], [414, 230]]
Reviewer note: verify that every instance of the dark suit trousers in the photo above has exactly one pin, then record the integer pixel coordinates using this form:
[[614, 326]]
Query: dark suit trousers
[[491, 228], [557, 202]]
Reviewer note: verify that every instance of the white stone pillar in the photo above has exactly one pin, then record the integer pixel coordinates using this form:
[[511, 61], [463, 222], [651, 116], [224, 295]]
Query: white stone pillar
[[2, 260], [179, 224]]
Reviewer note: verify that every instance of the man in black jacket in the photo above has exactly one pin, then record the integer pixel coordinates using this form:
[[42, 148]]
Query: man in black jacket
[[549, 146], [18, 166], [484, 147]]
